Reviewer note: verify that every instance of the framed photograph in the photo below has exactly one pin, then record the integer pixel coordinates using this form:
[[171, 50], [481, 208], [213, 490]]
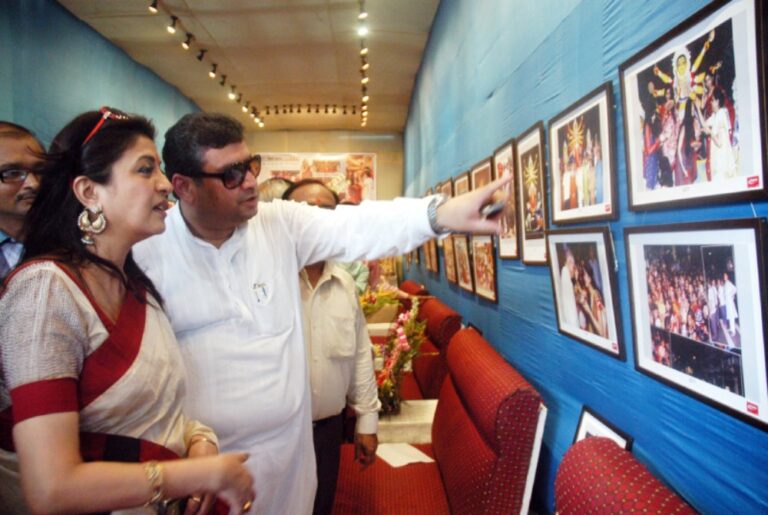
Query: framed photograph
[[415, 255], [463, 264], [484, 267], [461, 184], [582, 267], [503, 165], [481, 174], [434, 263], [592, 424], [698, 311], [445, 187], [581, 158], [449, 256], [533, 207], [694, 111]]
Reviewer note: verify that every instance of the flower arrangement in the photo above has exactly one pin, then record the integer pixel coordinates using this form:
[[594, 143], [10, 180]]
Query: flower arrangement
[[371, 301], [403, 343]]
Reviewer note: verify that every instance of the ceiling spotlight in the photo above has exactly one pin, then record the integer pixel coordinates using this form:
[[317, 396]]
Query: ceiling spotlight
[[245, 106], [363, 49], [363, 13], [201, 54], [172, 27], [317, 108], [223, 80], [326, 108], [364, 108], [187, 42], [261, 125], [345, 110], [365, 65], [212, 73], [285, 109], [267, 109], [354, 109], [231, 93], [252, 114], [363, 123], [153, 7], [239, 98], [257, 120], [334, 108], [366, 97], [291, 109], [364, 80], [362, 31]]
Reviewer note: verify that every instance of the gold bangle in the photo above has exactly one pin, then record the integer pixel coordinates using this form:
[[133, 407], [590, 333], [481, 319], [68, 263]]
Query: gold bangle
[[199, 438], [154, 471]]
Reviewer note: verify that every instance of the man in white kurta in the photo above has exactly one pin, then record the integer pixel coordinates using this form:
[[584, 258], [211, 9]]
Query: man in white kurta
[[229, 279]]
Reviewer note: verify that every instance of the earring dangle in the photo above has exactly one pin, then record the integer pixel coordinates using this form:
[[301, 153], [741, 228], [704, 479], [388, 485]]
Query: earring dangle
[[90, 227]]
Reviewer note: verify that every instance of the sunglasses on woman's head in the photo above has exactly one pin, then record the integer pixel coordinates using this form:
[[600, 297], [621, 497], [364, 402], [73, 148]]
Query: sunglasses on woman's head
[[107, 113], [233, 176]]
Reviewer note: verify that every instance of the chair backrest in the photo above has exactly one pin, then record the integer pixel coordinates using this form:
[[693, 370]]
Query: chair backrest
[[484, 428], [598, 476], [413, 288], [442, 322]]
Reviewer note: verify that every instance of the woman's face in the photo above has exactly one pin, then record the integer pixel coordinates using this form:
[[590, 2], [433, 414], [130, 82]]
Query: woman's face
[[136, 196]]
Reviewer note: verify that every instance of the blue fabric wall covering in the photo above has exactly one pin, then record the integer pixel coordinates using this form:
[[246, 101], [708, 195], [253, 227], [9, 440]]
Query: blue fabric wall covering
[[54, 67], [491, 69]]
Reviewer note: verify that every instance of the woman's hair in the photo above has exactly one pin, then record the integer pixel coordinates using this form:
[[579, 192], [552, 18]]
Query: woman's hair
[[81, 148]]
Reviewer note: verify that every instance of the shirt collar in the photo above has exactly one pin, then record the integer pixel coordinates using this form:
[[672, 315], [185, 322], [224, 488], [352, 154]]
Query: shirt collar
[[330, 271], [5, 238]]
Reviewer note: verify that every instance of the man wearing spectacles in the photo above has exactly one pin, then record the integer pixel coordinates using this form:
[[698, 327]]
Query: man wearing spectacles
[[21, 157], [229, 282]]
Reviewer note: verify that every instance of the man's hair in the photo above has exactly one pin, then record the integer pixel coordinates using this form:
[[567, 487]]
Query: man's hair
[[13, 130], [190, 137], [308, 182], [273, 188]]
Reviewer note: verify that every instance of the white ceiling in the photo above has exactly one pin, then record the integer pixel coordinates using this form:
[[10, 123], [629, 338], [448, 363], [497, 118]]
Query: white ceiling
[[277, 52]]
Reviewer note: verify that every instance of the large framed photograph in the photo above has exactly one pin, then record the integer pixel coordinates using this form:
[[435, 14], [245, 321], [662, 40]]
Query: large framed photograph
[[695, 110], [698, 311], [533, 208], [581, 263], [592, 424], [484, 267], [463, 263], [461, 184], [503, 165], [481, 174], [582, 163], [449, 256]]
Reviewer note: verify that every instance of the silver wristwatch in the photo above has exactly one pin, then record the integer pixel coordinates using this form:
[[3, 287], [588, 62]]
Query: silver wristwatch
[[437, 201]]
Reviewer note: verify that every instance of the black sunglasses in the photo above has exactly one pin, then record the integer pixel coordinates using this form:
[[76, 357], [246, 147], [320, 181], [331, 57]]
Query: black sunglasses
[[233, 175]]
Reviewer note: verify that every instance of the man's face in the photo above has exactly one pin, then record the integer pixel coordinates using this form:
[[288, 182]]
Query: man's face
[[18, 153], [314, 195], [227, 208]]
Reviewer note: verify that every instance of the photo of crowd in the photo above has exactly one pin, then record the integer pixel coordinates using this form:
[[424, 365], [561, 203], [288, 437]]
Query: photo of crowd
[[690, 123], [693, 310], [580, 161], [581, 301]]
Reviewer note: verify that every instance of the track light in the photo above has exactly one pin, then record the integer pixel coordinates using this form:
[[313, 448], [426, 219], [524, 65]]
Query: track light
[[309, 108], [326, 108], [153, 7], [172, 27], [252, 114], [334, 108], [291, 109], [212, 73], [345, 110], [239, 98], [261, 125], [223, 79], [246, 106], [364, 108], [187, 42], [354, 109], [362, 31], [363, 13], [365, 65], [363, 49], [364, 80], [231, 93], [257, 120], [267, 109], [366, 97], [201, 54], [317, 108]]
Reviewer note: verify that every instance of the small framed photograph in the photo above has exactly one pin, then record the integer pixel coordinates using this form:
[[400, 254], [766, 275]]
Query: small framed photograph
[[582, 164], [582, 268], [698, 311], [592, 424], [461, 184], [503, 165], [446, 188], [463, 264], [449, 256], [481, 174], [415, 256], [484, 267], [694, 110], [533, 207]]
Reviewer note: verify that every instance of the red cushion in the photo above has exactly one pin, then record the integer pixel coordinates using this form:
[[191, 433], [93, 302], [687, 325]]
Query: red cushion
[[409, 389], [442, 321], [413, 288], [429, 369], [597, 476], [381, 489]]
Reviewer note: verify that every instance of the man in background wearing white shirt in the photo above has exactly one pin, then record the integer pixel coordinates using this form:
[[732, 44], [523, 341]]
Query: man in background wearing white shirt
[[21, 157], [229, 282], [340, 363]]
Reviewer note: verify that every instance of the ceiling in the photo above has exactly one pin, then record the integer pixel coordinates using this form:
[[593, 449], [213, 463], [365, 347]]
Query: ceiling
[[277, 53]]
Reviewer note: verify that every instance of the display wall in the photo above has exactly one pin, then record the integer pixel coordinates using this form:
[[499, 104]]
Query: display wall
[[54, 67], [491, 70]]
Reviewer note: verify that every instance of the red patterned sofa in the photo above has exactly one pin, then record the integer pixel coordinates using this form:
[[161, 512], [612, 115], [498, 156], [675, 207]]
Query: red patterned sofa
[[429, 367], [597, 476], [413, 288], [485, 442]]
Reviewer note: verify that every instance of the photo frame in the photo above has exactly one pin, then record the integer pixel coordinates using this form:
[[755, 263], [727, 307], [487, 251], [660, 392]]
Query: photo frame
[[698, 303], [583, 272], [591, 424], [484, 267], [430, 249], [695, 111], [449, 257], [445, 187], [504, 164], [582, 160], [463, 262], [461, 184], [532, 188], [481, 174]]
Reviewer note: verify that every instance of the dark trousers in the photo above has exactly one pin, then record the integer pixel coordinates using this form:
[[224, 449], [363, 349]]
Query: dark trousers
[[327, 434]]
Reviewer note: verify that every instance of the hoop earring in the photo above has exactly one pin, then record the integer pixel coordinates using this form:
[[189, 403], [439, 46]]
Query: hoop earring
[[90, 227]]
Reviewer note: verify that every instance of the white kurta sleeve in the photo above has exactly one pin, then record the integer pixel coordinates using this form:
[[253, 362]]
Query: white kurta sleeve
[[363, 395]]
